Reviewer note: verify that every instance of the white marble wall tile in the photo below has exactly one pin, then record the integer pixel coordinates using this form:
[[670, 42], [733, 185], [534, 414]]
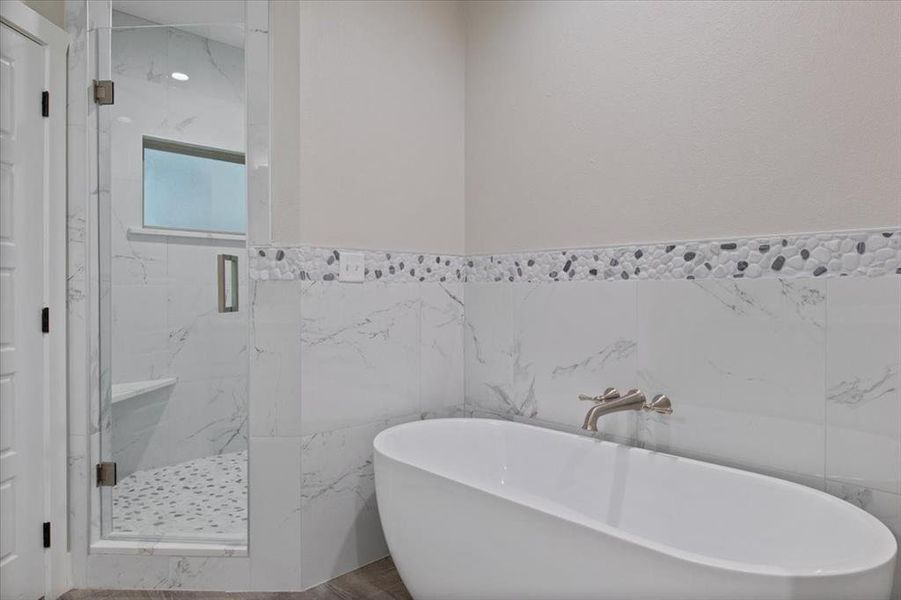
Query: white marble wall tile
[[489, 349], [140, 53], [256, 54], [228, 574], [275, 358], [206, 418], [743, 362], [275, 514], [135, 260], [208, 346], [441, 347], [863, 382], [139, 437], [78, 501], [884, 506], [219, 68], [141, 572], [575, 339], [81, 340], [341, 526], [194, 261], [360, 354], [188, 420]]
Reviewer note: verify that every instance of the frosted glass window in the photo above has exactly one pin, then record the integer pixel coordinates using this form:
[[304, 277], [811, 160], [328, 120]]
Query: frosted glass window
[[193, 187]]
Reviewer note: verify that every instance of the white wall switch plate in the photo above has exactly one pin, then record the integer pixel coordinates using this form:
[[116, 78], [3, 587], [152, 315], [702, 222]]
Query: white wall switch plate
[[351, 267]]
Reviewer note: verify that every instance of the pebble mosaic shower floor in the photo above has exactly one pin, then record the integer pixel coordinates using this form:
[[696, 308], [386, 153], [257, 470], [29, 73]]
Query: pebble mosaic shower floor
[[200, 498]]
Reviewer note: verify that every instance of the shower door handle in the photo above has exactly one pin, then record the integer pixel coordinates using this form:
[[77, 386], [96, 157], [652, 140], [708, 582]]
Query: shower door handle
[[228, 283]]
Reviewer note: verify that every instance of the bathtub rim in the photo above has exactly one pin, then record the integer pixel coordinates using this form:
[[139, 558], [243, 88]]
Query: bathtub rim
[[702, 560]]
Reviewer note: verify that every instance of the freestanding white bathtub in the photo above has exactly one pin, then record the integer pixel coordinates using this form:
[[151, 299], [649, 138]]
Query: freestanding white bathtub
[[476, 508]]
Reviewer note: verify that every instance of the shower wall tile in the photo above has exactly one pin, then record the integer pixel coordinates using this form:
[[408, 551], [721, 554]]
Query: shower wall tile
[[441, 347], [209, 573], [341, 526], [275, 514], [194, 261], [257, 117], [146, 56], [743, 362], [80, 325], [207, 418], [863, 382], [175, 424], [138, 437], [119, 571], [204, 344], [575, 339], [217, 70], [489, 348], [884, 506], [78, 500], [275, 358], [359, 354]]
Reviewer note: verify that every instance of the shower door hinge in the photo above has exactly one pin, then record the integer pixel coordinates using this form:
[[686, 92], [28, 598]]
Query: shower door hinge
[[45, 319], [106, 474], [46, 534], [104, 91], [45, 103]]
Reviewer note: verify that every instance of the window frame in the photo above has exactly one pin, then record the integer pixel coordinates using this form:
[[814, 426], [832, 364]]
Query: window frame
[[195, 150]]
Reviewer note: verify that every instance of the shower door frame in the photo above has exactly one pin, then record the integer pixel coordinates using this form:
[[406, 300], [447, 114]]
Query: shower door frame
[[90, 24]]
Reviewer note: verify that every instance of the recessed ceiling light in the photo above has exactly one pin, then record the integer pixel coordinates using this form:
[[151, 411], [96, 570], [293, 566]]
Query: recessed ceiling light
[[177, 76]]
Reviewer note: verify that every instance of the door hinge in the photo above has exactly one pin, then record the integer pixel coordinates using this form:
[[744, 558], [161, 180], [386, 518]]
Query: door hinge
[[45, 319], [46, 534], [106, 474], [45, 103], [104, 91]]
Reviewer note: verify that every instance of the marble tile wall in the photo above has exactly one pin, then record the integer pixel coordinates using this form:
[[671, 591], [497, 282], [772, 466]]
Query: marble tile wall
[[163, 288], [745, 359], [798, 378], [346, 361]]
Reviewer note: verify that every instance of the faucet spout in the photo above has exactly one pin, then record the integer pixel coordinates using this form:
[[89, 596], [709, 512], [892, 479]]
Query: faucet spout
[[633, 400]]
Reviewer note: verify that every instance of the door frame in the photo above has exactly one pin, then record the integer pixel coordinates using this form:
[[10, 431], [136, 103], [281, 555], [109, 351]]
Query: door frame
[[55, 43]]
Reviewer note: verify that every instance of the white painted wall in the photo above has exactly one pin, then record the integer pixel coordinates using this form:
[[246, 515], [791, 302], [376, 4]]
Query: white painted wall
[[381, 127], [284, 26], [613, 122]]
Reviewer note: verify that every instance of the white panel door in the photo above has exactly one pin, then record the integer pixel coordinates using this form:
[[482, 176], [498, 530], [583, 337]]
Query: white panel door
[[21, 299]]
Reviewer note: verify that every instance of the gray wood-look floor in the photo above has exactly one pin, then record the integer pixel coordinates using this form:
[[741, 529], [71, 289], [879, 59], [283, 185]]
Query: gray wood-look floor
[[378, 580]]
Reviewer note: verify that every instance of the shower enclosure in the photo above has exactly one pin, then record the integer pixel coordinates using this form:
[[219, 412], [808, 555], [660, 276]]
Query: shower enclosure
[[173, 272]]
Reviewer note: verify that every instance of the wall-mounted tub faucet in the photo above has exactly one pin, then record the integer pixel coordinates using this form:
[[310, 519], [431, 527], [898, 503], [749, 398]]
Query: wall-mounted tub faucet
[[611, 401]]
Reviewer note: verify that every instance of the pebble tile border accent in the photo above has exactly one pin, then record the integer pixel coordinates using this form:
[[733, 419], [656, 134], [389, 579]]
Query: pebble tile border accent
[[321, 264], [861, 253]]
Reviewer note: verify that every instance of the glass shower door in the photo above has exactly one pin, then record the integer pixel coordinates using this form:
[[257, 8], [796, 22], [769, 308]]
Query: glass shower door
[[173, 409]]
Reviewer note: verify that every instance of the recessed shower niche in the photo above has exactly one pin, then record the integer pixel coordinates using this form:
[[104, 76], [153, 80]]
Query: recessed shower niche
[[173, 331]]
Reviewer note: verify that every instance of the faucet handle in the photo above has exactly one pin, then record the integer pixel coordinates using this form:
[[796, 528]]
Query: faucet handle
[[609, 394], [659, 404]]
